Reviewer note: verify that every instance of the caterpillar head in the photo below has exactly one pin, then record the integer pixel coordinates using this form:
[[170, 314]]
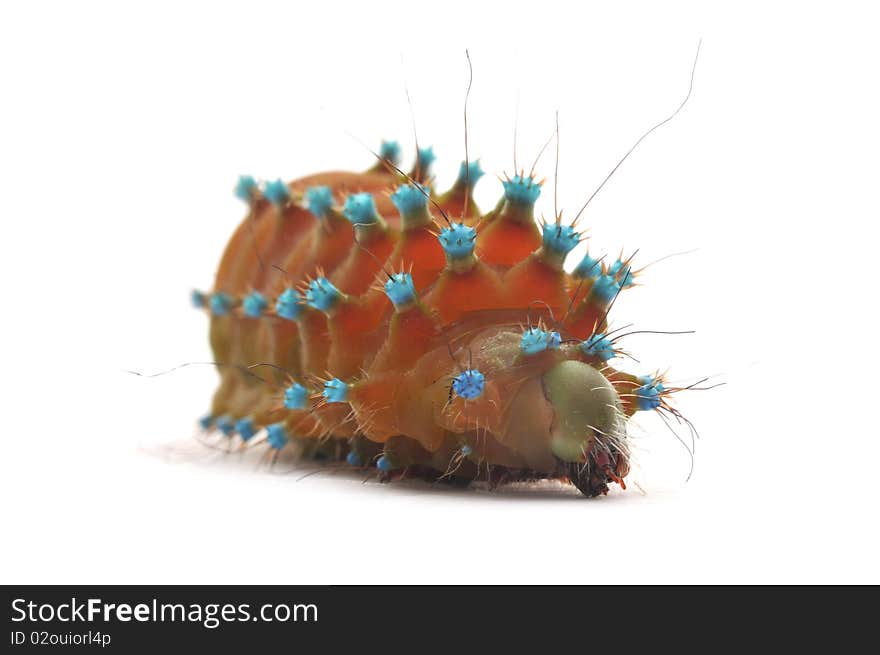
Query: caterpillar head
[[540, 401], [587, 431]]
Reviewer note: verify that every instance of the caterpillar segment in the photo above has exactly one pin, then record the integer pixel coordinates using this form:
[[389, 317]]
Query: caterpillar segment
[[372, 321]]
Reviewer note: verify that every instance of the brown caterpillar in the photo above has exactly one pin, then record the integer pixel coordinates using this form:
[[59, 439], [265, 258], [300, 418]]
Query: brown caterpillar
[[375, 322]]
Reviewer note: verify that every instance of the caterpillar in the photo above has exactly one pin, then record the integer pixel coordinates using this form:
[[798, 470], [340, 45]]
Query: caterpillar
[[372, 321]]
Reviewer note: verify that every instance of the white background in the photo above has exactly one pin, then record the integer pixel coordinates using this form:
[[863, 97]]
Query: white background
[[124, 125]]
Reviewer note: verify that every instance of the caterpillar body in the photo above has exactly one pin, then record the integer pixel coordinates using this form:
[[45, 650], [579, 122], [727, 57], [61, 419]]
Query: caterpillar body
[[374, 322]]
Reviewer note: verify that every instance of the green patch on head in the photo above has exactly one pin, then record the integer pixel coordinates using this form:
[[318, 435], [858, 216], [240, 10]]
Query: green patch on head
[[585, 403]]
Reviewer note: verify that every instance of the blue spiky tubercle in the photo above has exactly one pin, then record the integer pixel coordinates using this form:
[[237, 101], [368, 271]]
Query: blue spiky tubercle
[[322, 295], [335, 391], [226, 425], [319, 201], [521, 190], [390, 151], [650, 395], [599, 346], [360, 209], [385, 464], [254, 304], [588, 268], [411, 201], [520, 194], [557, 240], [276, 435], [246, 189], [469, 384], [605, 288], [535, 340], [421, 169], [296, 396], [457, 241], [469, 173], [246, 428], [290, 304], [623, 272], [221, 303], [400, 290], [276, 192], [647, 398]]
